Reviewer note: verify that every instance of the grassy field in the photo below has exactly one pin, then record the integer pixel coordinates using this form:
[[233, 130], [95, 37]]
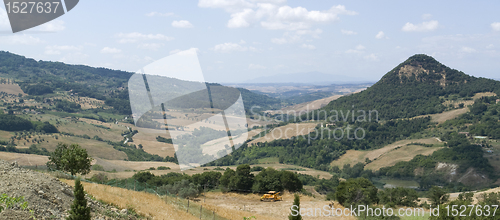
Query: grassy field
[[452, 114], [405, 153], [224, 205], [397, 151], [308, 106], [24, 159], [13, 89], [143, 203]]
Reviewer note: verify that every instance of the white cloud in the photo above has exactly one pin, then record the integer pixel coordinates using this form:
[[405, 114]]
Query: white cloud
[[228, 5], [491, 46], [241, 19], [468, 50], [423, 27], [358, 49], [371, 57], [287, 38], [347, 32], [288, 18], [271, 14], [56, 50], [154, 13], [182, 24], [308, 46], [52, 26], [380, 35], [110, 50], [135, 36], [495, 26], [256, 67], [426, 16], [149, 46], [19, 39], [230, 47]]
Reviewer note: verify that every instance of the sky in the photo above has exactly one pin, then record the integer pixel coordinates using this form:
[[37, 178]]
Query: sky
[[239, 40]]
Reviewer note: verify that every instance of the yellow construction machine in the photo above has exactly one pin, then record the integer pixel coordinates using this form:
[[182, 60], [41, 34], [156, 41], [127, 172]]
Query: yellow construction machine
[[271, 196]]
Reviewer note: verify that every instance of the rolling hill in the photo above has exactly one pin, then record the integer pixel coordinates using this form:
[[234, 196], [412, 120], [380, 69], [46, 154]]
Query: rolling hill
[[415, 87]]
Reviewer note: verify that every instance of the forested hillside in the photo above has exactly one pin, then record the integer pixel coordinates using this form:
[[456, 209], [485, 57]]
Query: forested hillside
[[413, 88], [41, 78]]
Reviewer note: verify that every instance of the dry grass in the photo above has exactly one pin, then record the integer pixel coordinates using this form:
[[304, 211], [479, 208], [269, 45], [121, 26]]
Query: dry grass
[[145, 204], [309, 106], [13, 89], [285, 132], [448, 115], [225, 205], [405, 153], [354, 156], [24, 159], [95, 148], [236, 206]]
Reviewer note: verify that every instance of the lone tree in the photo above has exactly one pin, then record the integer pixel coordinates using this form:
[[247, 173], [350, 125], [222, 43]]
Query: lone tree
[[359, 191], [79, 209], [296, 205], [73, 159], [438, 196]]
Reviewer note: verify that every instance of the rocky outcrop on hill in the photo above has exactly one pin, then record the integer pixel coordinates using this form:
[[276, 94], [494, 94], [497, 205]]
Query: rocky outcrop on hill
[[48, 197]]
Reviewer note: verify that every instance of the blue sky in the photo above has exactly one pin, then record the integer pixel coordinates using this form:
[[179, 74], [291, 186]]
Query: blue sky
[[244, 39]]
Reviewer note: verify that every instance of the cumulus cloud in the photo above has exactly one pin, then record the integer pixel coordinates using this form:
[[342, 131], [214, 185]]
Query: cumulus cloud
[[271, 14], [256, 67], [20, 39], [228, 5], [182, 24], [380, 35], [308, 46], [56, 50], [347, 32], [426, 16], [135, 36], [231, 47], [52, 26], [358, 49], [423, 27], [287, 38], [110, 50], [495, 26], [158, 14]]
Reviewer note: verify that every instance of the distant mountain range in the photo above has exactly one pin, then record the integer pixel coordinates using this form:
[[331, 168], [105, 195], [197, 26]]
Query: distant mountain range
[[314, 77]]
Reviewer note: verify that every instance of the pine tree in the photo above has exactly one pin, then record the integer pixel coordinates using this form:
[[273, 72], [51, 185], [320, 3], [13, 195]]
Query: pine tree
[[79, 209], [296, 203]]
